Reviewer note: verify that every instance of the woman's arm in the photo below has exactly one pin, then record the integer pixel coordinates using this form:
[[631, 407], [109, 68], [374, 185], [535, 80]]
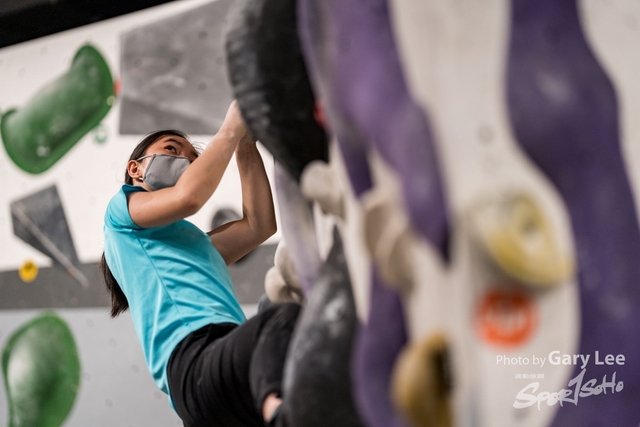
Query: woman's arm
[[197, 183], [236, 239]]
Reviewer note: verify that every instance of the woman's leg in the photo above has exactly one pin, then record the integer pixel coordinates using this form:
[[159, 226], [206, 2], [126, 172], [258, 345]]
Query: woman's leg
[[218, 383], [268, 359]]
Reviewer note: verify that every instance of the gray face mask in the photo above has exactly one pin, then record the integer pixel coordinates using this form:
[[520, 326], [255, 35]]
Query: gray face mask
[[164, 170]]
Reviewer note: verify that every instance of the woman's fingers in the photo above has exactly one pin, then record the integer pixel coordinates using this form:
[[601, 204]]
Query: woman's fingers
[[234, 123]]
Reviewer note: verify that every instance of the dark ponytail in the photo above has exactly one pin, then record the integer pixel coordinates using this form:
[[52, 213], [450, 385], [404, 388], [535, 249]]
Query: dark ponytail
[[119, 303]]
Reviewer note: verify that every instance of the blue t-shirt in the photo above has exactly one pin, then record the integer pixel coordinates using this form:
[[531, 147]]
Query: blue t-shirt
[[173, 277]]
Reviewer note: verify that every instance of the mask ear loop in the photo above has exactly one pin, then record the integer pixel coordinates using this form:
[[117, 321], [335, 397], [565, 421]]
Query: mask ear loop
[[144, 175]]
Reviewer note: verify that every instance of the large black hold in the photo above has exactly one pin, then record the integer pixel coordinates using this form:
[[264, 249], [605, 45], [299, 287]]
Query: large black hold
[[269, 79], [317, 378]]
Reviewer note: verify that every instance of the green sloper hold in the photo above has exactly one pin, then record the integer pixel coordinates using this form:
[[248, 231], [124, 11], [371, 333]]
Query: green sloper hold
[[60, 114], [41, 373]]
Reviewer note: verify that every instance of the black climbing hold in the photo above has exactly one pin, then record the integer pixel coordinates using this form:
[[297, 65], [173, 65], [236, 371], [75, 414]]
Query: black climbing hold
[[270, 82], [317, 380]]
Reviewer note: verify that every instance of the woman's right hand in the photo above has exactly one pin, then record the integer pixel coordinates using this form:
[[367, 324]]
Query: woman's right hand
[[234, 125]]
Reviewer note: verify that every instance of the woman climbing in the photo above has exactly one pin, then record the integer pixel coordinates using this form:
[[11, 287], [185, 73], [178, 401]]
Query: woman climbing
[[217, 368]]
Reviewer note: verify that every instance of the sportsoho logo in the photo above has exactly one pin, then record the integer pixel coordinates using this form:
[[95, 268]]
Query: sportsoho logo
[[577, 388]]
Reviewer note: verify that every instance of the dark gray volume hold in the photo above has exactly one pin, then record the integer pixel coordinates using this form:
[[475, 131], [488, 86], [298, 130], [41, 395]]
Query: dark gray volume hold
[[39, 220], [269, 80], [317, 379]]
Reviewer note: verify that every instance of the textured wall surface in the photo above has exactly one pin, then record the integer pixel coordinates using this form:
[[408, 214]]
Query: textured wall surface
[[64, 221], [115, 389]]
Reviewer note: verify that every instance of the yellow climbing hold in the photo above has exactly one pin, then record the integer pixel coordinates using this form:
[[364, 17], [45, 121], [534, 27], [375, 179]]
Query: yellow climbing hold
[[28, 272], [516, 232], [421, 388]]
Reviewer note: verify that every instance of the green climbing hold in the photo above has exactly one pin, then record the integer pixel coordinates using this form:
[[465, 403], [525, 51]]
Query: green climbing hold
[[41, 371], [37, 135]]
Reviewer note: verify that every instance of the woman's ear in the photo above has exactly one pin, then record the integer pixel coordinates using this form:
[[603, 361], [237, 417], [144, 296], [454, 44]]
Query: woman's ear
[[135, 171]]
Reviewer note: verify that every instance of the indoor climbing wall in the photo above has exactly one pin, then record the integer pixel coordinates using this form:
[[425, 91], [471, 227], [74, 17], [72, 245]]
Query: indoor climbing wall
[[461, 215], [457, 191], [72, 107]]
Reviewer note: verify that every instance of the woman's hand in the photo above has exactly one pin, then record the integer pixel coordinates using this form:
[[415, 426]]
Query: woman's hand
[[234, 125]]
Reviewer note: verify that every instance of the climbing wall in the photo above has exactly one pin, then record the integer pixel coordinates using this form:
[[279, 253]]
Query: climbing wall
[[481, 185], [457, 190], [72, 107], [114, 387]]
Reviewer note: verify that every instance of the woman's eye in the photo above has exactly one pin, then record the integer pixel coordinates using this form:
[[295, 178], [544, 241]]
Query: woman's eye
[[171, 148]]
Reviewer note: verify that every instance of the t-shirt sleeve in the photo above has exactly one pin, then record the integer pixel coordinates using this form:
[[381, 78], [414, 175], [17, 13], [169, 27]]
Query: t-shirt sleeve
[[117, 215]]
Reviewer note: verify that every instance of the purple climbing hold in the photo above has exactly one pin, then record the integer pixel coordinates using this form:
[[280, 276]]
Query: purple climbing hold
[[365, 87], [313, 31], [564, 114], [378, 344]]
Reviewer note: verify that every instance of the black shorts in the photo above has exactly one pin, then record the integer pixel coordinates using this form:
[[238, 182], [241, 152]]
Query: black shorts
[[220, 375]]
